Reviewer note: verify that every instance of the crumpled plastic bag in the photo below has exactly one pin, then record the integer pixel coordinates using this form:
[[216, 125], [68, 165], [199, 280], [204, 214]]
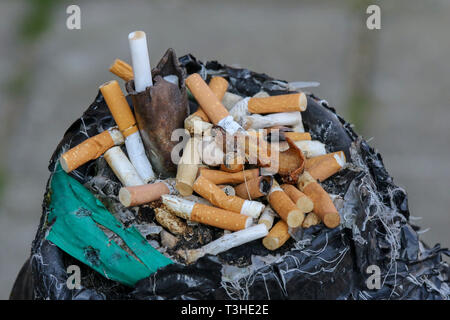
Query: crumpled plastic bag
[[317, 263]]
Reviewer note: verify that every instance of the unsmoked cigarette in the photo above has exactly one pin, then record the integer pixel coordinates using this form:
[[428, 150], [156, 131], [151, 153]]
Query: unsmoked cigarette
[[170, 221], [254, 188], [217, 197], [90, 149], [323, 205], [327, 166], [281, 103], [137, 195], [122, 69], [267, 217], [210, 104], [301, 200], [277, 236], [122, 167], [205, 214], [188, 168], [285, 207], [225, 243], [298, 136], [221, 177]]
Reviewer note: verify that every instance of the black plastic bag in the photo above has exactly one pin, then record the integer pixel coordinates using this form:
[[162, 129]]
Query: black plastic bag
[[320, 263]]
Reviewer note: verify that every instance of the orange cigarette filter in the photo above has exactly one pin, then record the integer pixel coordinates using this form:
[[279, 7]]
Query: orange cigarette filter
[[206, 98], [119, 107], [325, 166], [323, 205], [298, 136], [301, 200], [221, 177], [88, 150], [281, 103], [233, 163], [277, 236], [218, 86], [137, 195], [217, 196], [285, 207], [122, 69], [219, 218], [254, 188]]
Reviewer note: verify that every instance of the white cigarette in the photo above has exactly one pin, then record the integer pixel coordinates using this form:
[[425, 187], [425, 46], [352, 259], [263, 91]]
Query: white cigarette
[[311, 148], [267, 217], [257, 121], [122, 167], [138, 158], [229, 100], [226, 242], [299, 126], [140, 60]]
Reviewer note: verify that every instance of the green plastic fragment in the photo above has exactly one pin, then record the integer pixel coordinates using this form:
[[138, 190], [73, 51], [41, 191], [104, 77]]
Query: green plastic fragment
[[74, 215]]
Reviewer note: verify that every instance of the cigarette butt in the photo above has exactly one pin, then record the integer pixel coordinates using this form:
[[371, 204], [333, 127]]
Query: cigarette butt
[[220, 218], [217, 197], [229, 190], [257, 121], [137, 195], [285, 207], [254, 188], [229, 100], [300, 199], [196, 126], [233, 162], [122, 167], [221, 177], [218, 86], [225, 243], [311, 148], [169, 221], [277, 236], [119, 107], [311, 220], [281, 103], [267, 217], [327, 165], [188, 168], [206, 214], [122, 69], [206, 98], [298, 136], [90, 149], [323, 205], [140, 60], [210, 104]]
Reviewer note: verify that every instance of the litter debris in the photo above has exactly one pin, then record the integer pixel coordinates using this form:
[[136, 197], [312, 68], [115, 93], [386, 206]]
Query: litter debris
[[269, 195]]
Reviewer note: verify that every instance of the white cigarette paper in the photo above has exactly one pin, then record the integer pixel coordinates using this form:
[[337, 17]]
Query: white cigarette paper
[[267, 217], [229, 100], [311, 148], [252, 208], [122, 167], [179, 206], [138, 158], [140, 60], [226, 242], [257, 121]]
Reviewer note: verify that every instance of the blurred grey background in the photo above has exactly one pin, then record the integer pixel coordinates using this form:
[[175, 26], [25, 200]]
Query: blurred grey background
[[392, 83]]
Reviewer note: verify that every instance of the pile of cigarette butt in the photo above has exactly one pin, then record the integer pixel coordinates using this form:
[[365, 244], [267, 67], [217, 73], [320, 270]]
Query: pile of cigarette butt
[[247, 166]]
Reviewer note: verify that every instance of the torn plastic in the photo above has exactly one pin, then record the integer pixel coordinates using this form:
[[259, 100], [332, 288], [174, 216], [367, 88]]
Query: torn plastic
[[316, 263]]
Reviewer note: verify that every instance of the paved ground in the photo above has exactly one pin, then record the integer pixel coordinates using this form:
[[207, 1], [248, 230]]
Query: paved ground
[[408, 83]]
